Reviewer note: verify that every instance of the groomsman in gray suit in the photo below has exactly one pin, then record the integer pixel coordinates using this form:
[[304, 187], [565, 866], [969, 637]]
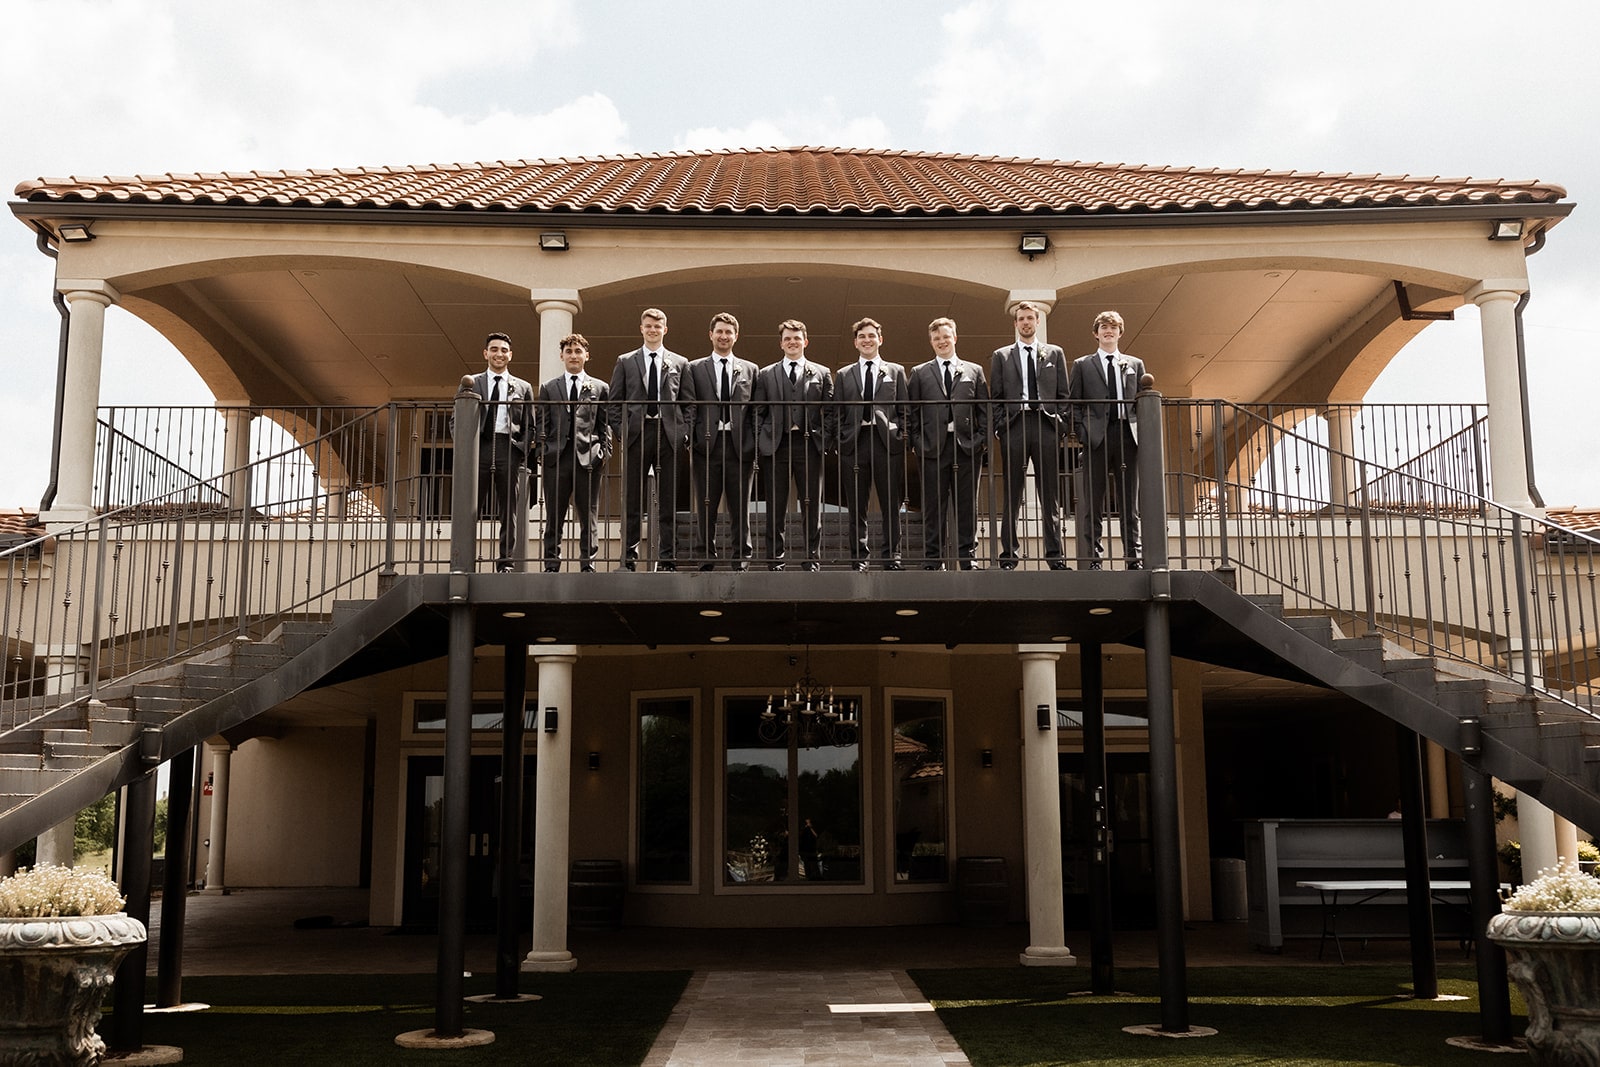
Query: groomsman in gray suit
[[872, 413], [505, 432], [1109, 434], [722, 444], [574, 444], [1028, 381], [949, 430], [794, 424], [651, 384]]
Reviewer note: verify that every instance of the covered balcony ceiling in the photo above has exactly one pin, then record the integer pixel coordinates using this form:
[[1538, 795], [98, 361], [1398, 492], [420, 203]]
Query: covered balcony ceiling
[[321, 335]]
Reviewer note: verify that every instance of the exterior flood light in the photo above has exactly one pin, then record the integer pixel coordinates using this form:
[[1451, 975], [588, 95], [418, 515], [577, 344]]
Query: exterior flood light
[[1505, 230], [1034, 244], [553, 242], [74, 232]]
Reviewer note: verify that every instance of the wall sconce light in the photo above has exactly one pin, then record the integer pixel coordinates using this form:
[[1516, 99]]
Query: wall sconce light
[[594, 761], [1471, 737], [1505, 230], [550, 720], [986, 757], [1045, 715], [555, 241], [74, 232], [1034, 244]]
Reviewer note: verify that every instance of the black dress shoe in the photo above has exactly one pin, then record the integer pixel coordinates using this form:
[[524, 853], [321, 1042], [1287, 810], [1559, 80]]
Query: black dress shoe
[[811, 565], [1059, 565], [858, 565], [628, 565], [933, 566], [741, 567], [708, 566], [968, 565], [1008, 564], [666, 566], [502, 568], [551, 568], [1136, 564], [776, 566], [587, 568], [894, 565]]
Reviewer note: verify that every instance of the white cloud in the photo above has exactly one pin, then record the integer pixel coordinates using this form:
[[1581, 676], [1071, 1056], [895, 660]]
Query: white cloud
[[823, 126]]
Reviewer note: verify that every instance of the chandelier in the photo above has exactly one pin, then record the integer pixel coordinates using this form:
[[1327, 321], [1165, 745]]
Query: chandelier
[[810, 713]]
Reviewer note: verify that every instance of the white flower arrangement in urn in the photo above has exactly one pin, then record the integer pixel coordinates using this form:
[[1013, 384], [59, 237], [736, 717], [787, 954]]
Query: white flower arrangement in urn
[[62, 934], [1550, 929], [50, 891]]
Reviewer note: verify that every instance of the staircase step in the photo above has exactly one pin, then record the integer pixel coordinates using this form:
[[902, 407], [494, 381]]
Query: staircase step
[[65, 735], [1317, 627], [1271, 603], [72, 761], [30, 782], [20, 761], [344, 610], [1363, 651]]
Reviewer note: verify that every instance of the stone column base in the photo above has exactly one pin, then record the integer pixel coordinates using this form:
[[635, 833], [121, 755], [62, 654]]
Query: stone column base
[[559, 960], [1037, 956]]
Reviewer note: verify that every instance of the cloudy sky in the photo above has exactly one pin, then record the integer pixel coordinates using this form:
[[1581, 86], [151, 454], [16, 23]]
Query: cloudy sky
[[97, 87]]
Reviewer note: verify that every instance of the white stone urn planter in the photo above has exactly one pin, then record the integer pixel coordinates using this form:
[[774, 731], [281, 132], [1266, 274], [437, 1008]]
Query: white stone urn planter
[[1554, 957], [54, 974]]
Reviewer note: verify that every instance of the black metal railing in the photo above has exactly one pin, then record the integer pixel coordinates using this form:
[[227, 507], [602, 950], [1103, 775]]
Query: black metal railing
[[1391, 534]]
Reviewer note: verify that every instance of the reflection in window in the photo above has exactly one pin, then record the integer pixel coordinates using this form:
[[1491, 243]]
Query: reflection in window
[[777, 792], [919, 790], [427, 716], [666, 811]]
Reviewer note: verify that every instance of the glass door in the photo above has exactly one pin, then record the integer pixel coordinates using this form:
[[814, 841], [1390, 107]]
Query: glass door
[[1133, 886], [424, 842]]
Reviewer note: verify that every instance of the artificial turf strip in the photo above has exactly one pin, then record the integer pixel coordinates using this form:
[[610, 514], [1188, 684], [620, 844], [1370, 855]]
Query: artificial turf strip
[[1303, 1016], [599, 1018]]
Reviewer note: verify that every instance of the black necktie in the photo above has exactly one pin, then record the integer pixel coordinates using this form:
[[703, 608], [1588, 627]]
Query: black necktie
[[491, 420], [947, 381], [1033, 376], [867, 375], [572, 391], [1111, 384], [727, 394], [652, 390], [792, 366]]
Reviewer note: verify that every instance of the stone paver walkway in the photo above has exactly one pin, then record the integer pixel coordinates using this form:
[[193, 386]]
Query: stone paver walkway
[[801, 1019]]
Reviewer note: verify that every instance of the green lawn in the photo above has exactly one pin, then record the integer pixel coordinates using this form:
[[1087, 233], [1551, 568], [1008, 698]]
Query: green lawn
[[602, 1018], [1323, 1016]]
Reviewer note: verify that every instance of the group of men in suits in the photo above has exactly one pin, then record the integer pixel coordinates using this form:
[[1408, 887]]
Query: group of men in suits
[[783, 419]]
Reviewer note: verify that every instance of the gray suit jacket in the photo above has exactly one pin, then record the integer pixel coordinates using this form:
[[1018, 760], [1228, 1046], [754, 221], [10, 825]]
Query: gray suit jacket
[[968, 403], [1089, 382], [772, 392], [628, 384], [519, 398], [889, 410], [1008, 382], [704, 413], [587, 428]]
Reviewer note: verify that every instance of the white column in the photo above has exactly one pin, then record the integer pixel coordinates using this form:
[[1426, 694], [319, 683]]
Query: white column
[[556, 308], [65, 667], [236, 458], [86, 324], [217, 851], [1342, 471], [553, 788], [1041, 811], [1508, 471], [1536, 829], [1566, 840]]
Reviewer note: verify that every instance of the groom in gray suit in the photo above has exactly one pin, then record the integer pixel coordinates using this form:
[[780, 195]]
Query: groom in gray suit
[[1105, 383], [722, 444], [1028, 381], [949, 430]]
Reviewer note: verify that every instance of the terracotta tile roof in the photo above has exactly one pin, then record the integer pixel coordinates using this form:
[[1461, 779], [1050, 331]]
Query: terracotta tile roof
[[796, 181], [18, 526], [1584, 520]]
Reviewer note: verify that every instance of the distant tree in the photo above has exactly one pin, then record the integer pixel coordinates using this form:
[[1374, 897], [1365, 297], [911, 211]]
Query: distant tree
[[96, 827]]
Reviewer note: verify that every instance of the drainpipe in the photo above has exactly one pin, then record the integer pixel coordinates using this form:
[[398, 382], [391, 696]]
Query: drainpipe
[[1522, 375], [60, 301]]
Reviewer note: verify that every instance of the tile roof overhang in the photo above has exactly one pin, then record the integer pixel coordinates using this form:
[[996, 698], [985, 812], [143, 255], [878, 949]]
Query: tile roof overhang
[[795, 186]]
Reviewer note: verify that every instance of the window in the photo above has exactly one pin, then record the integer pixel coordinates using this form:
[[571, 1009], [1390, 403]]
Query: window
[[919, 784], [666, 791], [427, 715], [779, 790]]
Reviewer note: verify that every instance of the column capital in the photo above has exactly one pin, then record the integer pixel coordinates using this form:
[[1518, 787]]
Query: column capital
[[96, 289], [1045, 298], [1491, 289], [1050, 652], [556, 300], [554, 654]]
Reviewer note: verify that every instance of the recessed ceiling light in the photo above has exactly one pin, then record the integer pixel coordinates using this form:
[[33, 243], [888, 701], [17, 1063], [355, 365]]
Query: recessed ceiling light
[[1061, 637], [907, 612], [719, 639], [792, 280], [545, 640], [1099, 611], [513, 614], [891, 638], [711, 613]]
